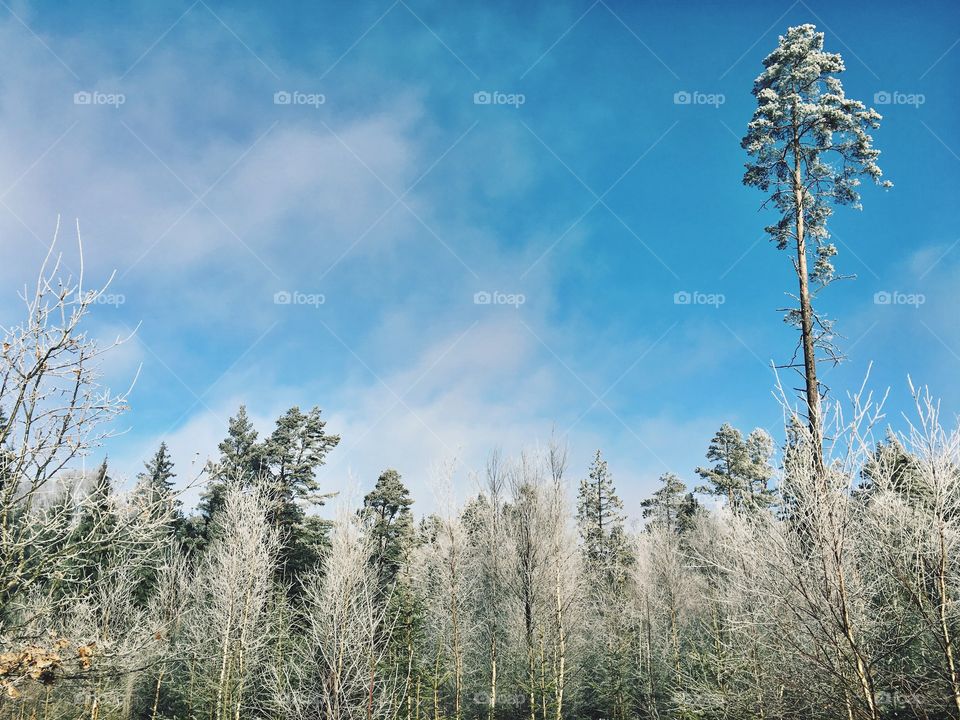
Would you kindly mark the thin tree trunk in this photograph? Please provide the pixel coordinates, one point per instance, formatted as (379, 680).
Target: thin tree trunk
(156, 694)
(863, 673)
(493, 676)
(408, 689)
(436, 685)
(561, 648)
(649, 636)
(225, 650)
(806, 312)
(417, 716)
(944, 624)
(543, 676)
(244, 621)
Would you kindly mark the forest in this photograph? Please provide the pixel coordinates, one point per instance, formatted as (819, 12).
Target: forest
(814, 577)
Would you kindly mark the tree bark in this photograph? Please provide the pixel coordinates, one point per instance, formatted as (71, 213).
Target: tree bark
(814, 419)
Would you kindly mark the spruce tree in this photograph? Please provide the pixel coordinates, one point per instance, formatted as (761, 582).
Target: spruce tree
(155, 483)
(155, 491)
(240, 463)
(891, 468)
(607, 557)
(96, 522)
(600, 519)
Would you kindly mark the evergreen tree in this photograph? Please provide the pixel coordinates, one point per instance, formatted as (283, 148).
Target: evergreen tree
(741, 472)
(607, 556)
(388, 520)
(240, 463)
(892, 468)
(155, 484)
(600, 519)
(809, 146)
(96, 522)
(284, 466)
(386, 511)
(288, 462)
(155, 490)
(671, 507)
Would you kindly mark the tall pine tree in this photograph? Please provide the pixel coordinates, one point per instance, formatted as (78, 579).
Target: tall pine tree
(809, 146)
(288, 461)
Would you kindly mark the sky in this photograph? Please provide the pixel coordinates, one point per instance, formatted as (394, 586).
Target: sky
(309, 204)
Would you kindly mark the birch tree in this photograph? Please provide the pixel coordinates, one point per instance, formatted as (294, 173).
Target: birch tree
(228, 624)
(334, 671)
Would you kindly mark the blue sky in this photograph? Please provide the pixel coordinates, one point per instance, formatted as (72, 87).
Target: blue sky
(584, 186)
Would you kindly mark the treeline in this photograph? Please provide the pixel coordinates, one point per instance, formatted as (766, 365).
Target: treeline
(803, 593)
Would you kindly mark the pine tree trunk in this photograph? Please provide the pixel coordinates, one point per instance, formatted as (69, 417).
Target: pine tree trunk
(814, 418)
